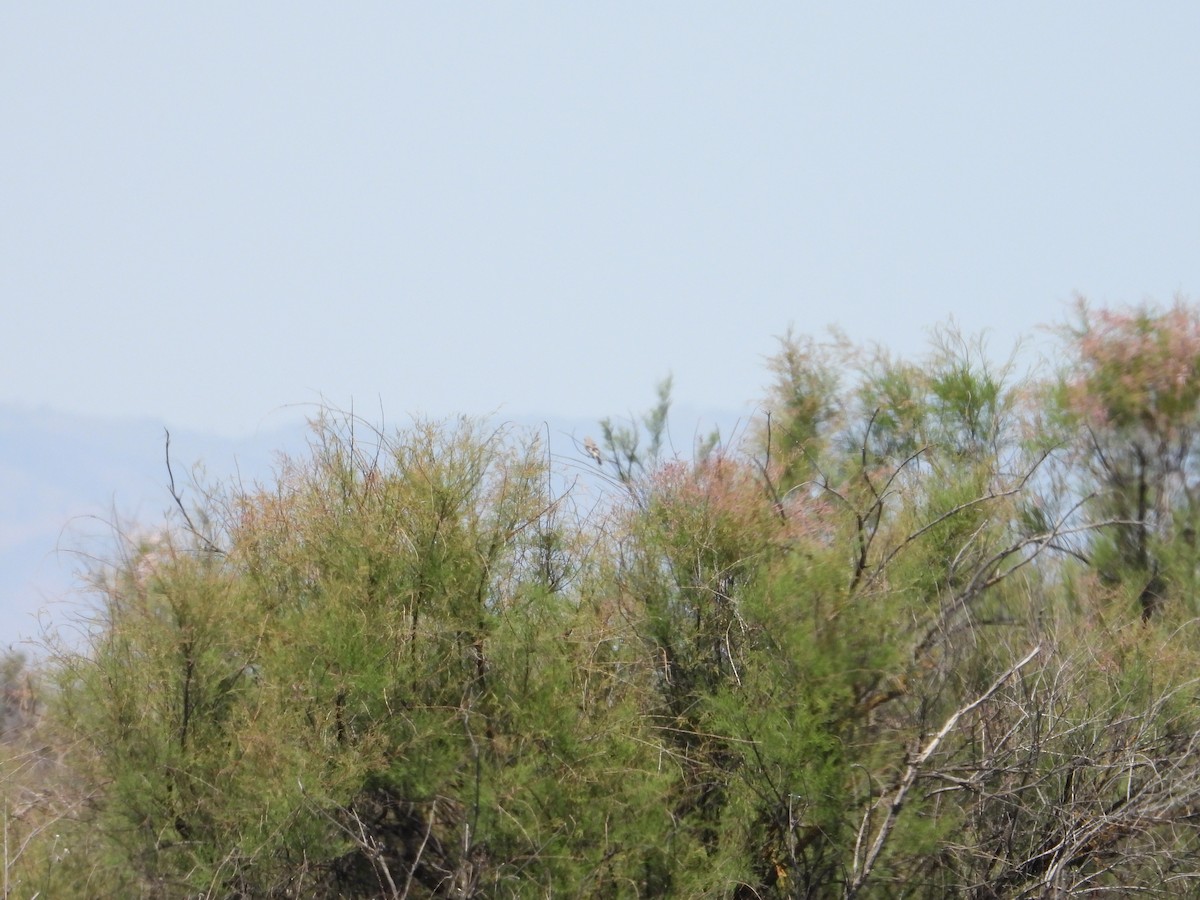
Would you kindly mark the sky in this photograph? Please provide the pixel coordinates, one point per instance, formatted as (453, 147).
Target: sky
(218, 214)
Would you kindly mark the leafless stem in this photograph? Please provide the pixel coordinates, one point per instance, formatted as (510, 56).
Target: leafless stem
(177, 496)
(863, 871)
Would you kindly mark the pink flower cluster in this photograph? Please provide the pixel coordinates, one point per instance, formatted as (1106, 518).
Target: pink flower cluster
(724, 500)
(1136, 369)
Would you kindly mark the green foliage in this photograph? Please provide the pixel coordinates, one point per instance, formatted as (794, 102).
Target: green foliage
(623, 441)
(381, 654)
(884, 649)
(803, 407)
(1132, 394)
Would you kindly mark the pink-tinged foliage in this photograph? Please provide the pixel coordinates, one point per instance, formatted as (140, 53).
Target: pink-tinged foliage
(1135, 369)
(1134, 386)
(722, 505)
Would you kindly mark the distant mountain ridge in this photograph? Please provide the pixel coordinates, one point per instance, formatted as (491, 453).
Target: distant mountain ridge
(67, 480)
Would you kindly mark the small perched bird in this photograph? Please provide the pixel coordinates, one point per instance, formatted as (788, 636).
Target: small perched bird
(593, 451)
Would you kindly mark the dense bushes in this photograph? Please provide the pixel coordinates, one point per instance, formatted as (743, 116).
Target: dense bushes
(928, 632)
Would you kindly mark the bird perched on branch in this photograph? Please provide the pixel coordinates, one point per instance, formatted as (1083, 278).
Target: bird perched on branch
(593, 451)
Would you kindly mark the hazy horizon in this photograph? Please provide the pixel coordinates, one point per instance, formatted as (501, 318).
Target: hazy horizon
(215, 213)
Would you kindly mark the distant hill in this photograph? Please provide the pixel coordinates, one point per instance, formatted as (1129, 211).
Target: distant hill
(66, 481)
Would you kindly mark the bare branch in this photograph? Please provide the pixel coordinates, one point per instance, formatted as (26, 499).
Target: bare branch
(177, 496)
(896, 803)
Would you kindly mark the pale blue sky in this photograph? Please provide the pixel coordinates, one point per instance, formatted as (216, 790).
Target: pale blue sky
(210, 211)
